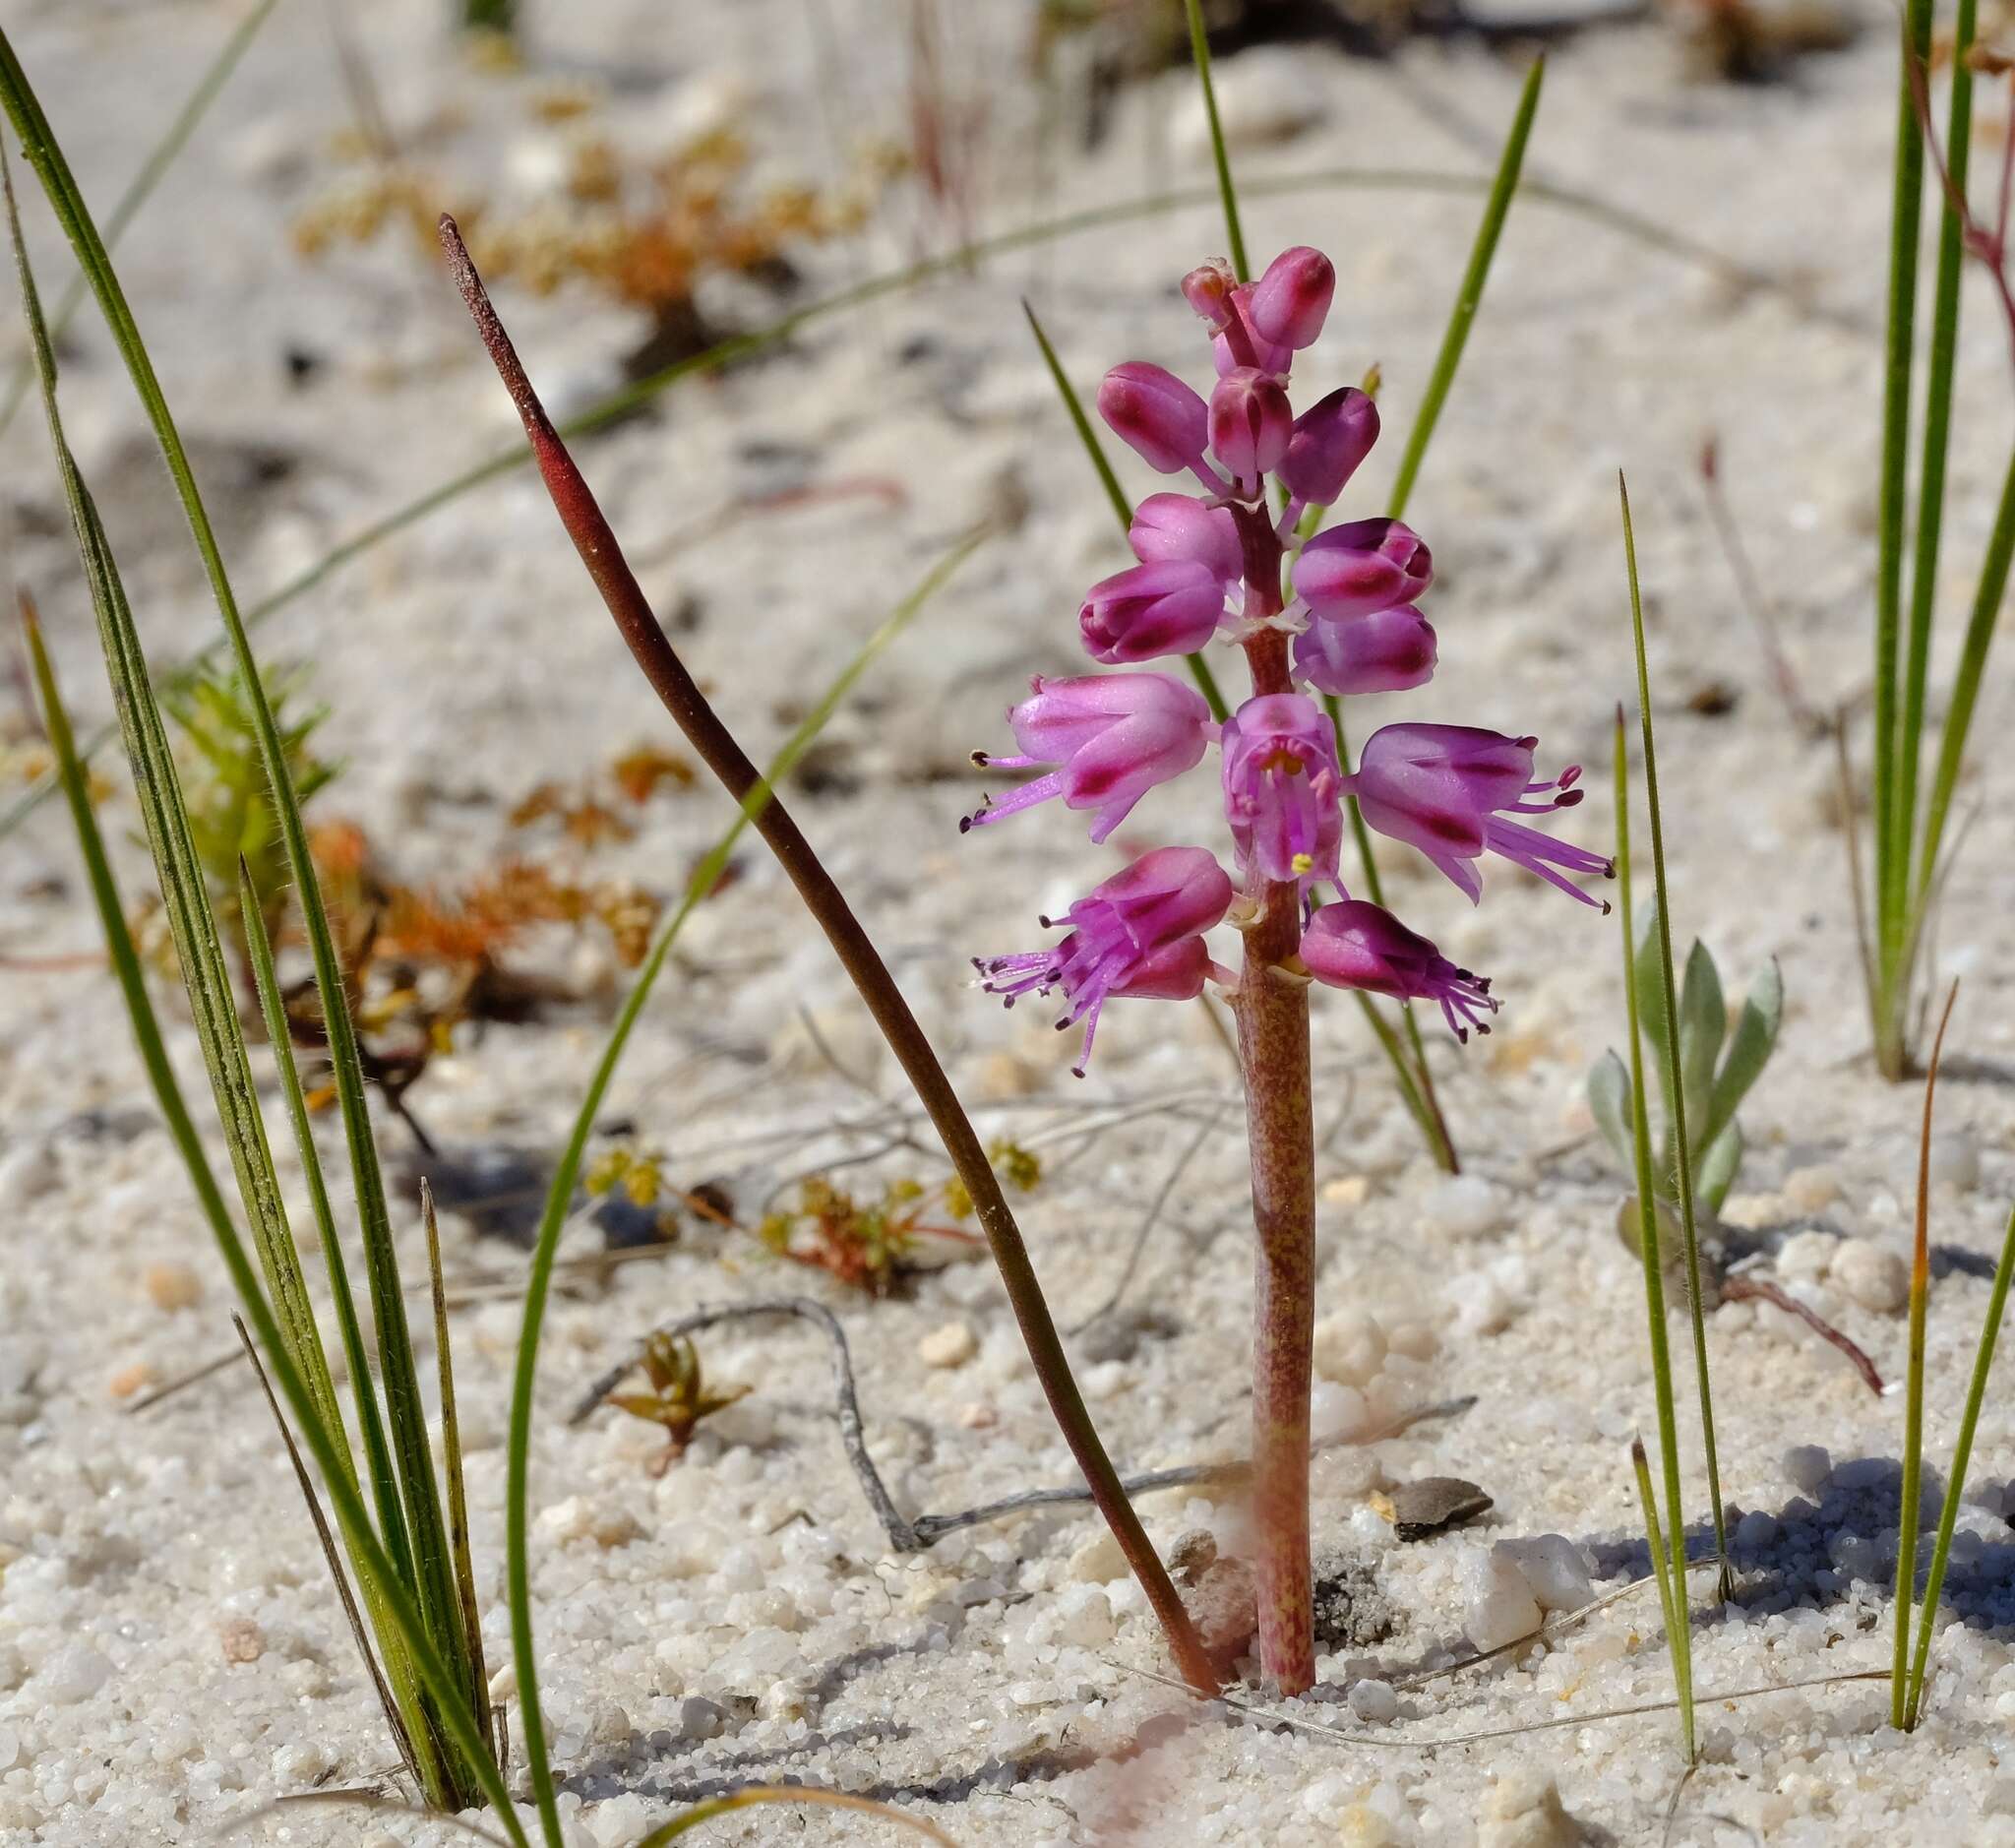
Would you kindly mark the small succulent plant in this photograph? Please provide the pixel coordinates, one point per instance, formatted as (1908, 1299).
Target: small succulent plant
(678, 1399)
(1716, 1069)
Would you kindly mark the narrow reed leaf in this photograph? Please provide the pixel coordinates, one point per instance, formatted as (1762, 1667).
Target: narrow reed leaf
(1955, 1482)
(1679, 1616)
(458, 1496)
(1931, 499)
(378, 1464)
(404, 1409)
(174, 138)
(1200, 52)
(395, 1720)
(789, 1793)
(1973, 660)
(290, 1337)
(1909, 1506)
(1899, 356)
(1634, 227)
(567, 1175)
(1469, 296)
(1200, 668)
(1654, 1538)
(1674, 1073)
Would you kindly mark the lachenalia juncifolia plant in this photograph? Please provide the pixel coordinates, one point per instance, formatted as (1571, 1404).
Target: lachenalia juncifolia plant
(1332, 614)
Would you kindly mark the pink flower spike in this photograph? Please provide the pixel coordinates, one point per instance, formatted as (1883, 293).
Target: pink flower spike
(1282, 790)
(1330, 439)
(1182, 526)
(1155, 414)
(1169, 607)
(1140, 933)
(1250, 423)
(1291, 301)
(1115, 735)
(1389, 652)
(1362, 566)
(1357, 945)
(1444, 790)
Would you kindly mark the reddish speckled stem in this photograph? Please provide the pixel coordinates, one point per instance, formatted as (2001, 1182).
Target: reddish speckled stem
(1272, 1006)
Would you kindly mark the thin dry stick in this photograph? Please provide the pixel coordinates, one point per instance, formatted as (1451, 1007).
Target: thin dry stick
(715, 746)
(392, 1717)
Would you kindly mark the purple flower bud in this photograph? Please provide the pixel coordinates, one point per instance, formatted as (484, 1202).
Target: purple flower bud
(1357, 945)
(1362, 566)
(1169, 607)
(1250, 423)
(1207, 288)
(1115, 735)
(1180, 525)
(1384, 653)
(1291, 301)
(1156, 414)
(1282, 788)
(1140, 933)
(1330, 439)
(1440, 788)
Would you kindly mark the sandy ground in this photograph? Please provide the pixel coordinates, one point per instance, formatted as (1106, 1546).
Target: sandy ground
(742, 1618)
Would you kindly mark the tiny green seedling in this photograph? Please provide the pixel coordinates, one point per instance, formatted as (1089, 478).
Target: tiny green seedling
(1718, 1068)
(678, 1399)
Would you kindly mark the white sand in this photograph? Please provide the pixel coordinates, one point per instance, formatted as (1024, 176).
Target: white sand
(749, 1624)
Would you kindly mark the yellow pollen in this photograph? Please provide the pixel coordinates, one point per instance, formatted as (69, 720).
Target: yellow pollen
(1303, 863)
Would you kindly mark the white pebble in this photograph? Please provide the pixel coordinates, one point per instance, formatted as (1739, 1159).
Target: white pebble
(1806, 1256)
(1479, 1304)
(1097, 1560)
(1350, 1347)
(1954, 1159)
(1335, 1412)
(1553, 1569)
(1465, 1207)
(74, 1674)
(302, 1763)
(1871, 1274)
(1373, 1702)
(1523, 1810)
(1083, 1617)
(951, 1345)
(1500, 1607)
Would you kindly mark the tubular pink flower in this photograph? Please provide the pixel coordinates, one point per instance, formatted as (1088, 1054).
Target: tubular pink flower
(1169, 607)
(1155, 414)
(1440, 788)
(1207, 288)
(1330, 439)
(1115, 736)
(1384, 653)
(1362, 566)
(1282, 788)
(1291, 301)
(1358, 945)
(1250, 423)
(1140, 933)
(1183, 527)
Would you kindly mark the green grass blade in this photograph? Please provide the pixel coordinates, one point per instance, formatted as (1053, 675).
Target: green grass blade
(1931, 499)
(1200, 668)
(405, 1409)
(1633, 227)
(185, 895)
(1899, 356)
(378, 1465)
(292, 1345)
(478, 1691)
(1973, 661)
(216, 74)
(754, 1793)
(1909, 1504)
(1678, 1630)
(1654, 1535)
(1955, 1484)
(1199, 50)
(1469, 297)
(1675, 1076)
(565, 1177)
